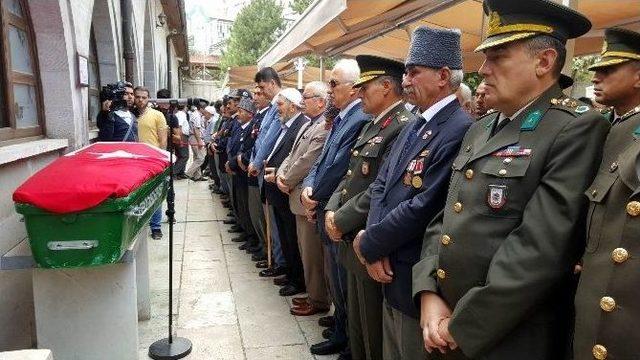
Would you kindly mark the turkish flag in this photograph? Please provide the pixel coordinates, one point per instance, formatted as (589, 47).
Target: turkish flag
(85, 178)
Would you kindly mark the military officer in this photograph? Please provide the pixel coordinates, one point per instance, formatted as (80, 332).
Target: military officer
(607, 309)
(496, 280)
(380, 89)
(409, 189)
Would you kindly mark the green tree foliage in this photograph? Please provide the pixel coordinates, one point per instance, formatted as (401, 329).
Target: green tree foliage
(472, 80)
(299, 6)
(256, 28)
(580, 66)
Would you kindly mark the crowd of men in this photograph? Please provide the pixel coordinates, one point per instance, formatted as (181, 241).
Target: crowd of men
(439, 223)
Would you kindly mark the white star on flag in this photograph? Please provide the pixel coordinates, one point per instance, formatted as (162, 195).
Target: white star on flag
(118, 154)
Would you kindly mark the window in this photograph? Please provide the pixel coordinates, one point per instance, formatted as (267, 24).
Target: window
(20, 93)
(94, 82)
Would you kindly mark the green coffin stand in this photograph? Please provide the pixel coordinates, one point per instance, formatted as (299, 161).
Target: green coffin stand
(96, 236)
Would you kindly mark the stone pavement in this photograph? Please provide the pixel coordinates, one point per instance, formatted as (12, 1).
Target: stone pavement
(220, 303)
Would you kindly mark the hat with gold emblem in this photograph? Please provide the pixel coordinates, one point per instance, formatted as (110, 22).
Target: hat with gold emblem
(372, 67)
(620, 45)
(511, 20)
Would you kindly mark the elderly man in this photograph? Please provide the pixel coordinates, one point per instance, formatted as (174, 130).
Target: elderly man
(465, 98)
(291, 172)
(409, 189)
(607, 298)
(323, 179)
(496, 279)
(479, 104)
(380, 89)
(289, 102)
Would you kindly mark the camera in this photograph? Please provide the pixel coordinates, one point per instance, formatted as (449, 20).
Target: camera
(115, 93)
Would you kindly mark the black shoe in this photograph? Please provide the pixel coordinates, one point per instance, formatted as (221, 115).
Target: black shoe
(239, 239)
(254, 249)
(327, 347)
(235, 231)
(263, 264)
(229, 221)
(290, 290)
(281, 281)
(258, 257)
(271, 272)
(235, 227)
(156, 234)
(243, 246)
(327, 333)
(344, 356)
(230, 214)
(327, 321)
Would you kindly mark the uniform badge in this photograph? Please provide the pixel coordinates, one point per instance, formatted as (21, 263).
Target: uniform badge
(497, 196)
(531, 121)
(386, 123)
(425, 153)
(416, 182)
(427, 134)
(636, 132)
(406, 180)
(582, 109)
(377, 140)
(513, 151)
(365, 168)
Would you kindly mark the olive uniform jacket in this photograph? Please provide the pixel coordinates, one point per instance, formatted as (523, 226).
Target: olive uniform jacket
(351, 199)
(502, 253)
(607, 307)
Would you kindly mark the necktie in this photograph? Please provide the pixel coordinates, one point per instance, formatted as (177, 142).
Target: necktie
(413, 136)
(499, 126)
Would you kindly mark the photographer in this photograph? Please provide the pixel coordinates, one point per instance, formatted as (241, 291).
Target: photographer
(115, 121)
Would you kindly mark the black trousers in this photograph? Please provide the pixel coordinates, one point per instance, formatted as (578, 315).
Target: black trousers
(241, 207)
(286, 222)
(182, 156)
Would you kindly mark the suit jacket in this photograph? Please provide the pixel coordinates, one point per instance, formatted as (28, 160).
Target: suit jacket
(332, 164)
(503, 252)
(402, 206)
(242, 145)
(304, 153)
(248, 152)
(611, 273)
(276, 197)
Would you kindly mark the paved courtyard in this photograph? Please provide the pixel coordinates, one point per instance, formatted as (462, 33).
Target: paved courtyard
(220, 303)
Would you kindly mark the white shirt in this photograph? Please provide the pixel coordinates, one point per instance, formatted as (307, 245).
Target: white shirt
(435, 108)
(183, 122)
(285, 127)
(344, 111)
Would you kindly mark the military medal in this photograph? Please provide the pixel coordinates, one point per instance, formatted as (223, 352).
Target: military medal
(365, 168)
(386, 123)
(412, 165)
(419, 166)
(512, 151)
(427, 134)
(406, 180)
(416, 182)
(497, 196)
(425, 153)
(377, 140)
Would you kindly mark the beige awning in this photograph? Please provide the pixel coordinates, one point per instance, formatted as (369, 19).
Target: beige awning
(242, 76)
(383, 27)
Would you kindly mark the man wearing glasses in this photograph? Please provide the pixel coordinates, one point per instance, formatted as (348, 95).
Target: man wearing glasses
(323, 179)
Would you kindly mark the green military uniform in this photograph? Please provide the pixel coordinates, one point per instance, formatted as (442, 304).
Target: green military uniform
(503, 251)
(607, 309)
(350, 202)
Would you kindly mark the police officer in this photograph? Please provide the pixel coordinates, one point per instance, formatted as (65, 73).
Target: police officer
(496, 277)
(380, 85)
(607, 298)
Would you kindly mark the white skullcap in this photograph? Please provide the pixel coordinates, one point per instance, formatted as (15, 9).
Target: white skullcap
(292, 95)
(210, 109)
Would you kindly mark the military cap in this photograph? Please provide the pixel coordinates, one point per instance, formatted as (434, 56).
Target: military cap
(240, 93)
(372, 67)
(511, 20)
(620, 45)
(247, 105)
(435, 48)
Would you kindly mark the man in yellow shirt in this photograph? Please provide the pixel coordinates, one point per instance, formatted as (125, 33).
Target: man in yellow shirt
(152, 130)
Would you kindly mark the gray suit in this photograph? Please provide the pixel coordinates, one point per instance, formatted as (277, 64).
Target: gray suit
(306, 149)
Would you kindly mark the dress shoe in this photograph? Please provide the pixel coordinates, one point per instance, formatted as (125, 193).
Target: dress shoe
(307, 310)
(327, 333)
(235, 231)
(254, 249)
(271, 272)
(239, 239)
(344, 356)
(300, 301)
(258, 257)
(243, 246)
(281, 281)
(327, 321)
(327, 347)
(290, 290)
(229, 221)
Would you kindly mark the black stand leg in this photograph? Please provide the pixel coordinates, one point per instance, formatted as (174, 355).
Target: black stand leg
(170, 348)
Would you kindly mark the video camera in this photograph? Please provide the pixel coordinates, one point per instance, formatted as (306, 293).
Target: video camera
(114, 93)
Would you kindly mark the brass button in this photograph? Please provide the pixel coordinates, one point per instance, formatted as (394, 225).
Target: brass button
(619, 255)
(468, 148)
(356, 153)
(607, 304)
(349, 172)
(446, 240)
(469, 174)
(613, 167)
(344, 191)
(599, 352)
(633, 208)
(457, 207)
(594, 192)
(502, 172)
(441, 274)
(507, 160)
